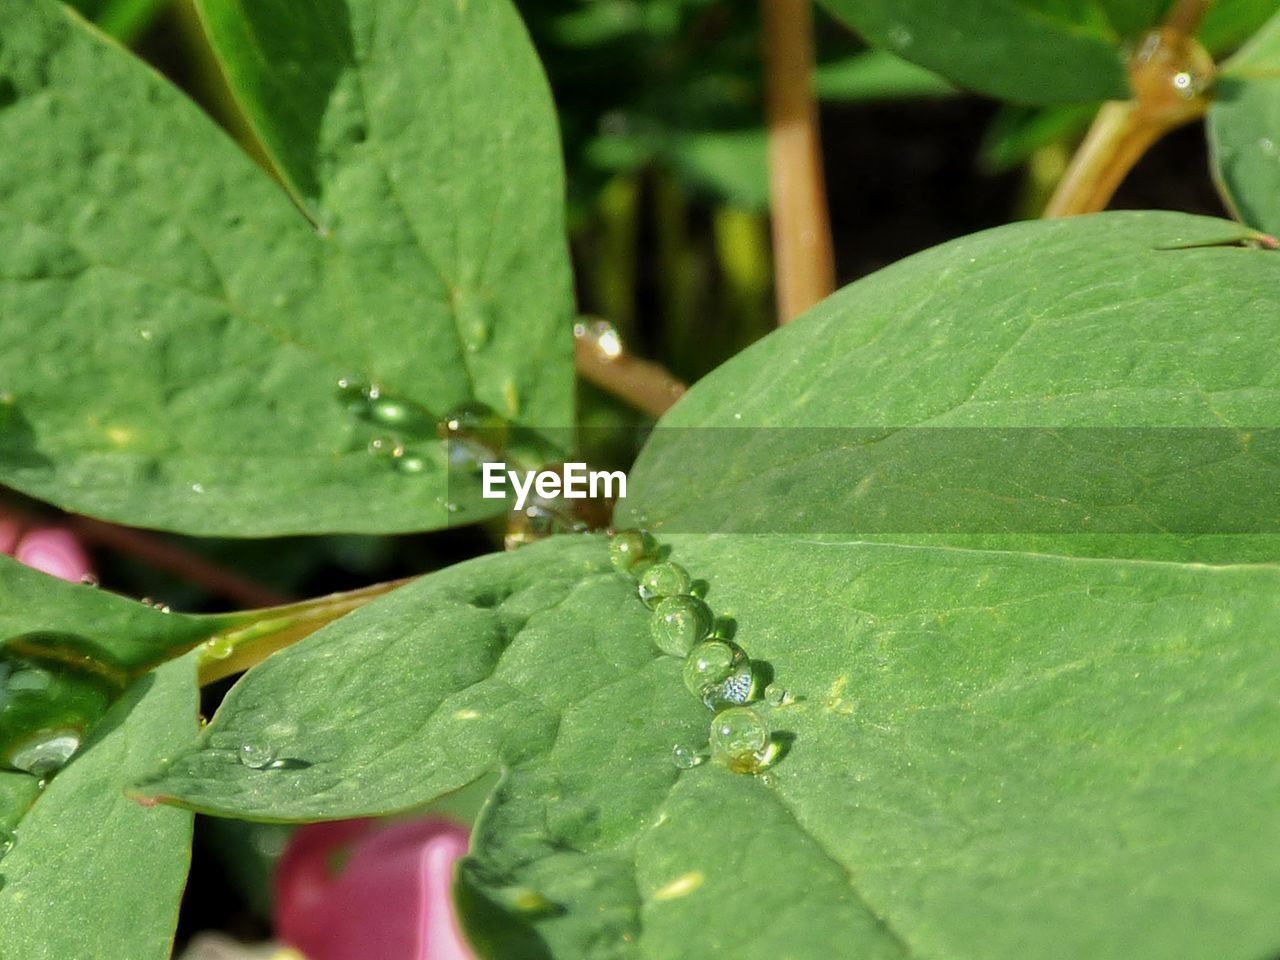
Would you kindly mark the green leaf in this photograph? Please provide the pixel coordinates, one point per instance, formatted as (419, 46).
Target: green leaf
(1041, 380)
(121, 633)
(1026, 51)
(92, 873)
(123, 19)
(989, 754)
(877, 75)
(1017, 132)
(1230, 23)
(730, 164)
(1244, 130)
(174, 328)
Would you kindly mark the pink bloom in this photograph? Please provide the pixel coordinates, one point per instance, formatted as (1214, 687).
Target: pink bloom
(49, 549)
(390, 900)
(53, 551)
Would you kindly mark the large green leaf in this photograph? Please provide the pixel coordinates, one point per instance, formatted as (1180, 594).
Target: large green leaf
(93, 874)
(989, 755)
(1083, 385)
(1244, 130)
(173, 327)
(1027, 51)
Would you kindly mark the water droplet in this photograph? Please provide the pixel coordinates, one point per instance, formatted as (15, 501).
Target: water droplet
(1268, 147)
(685, 757)
(386, 446)
(631, 550)
(1188, 84)
(197, 488)
(776, 696)
(89, 580)
(664, 580)
(219, 647)
(680, 623)
(602, 335)
(740, 740)
(899, 36)
(51, 694)
(256, 755)
(401, 415)
(354, 392)
(736, 690)
(710, 664)
(146, 334)
(7, 839)
(411, 464)
(47, 753)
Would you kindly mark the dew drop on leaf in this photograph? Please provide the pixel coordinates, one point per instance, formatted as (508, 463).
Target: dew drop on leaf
(740, 740)
(679, 624)
(710, 665)
(46, 753)
(51, 694)
(7, 839)
(685, 757)
(631, 550)
(777, 696)
(664, 580)
(386, 446)
(257, 755)
(411, 464)
(219, 647)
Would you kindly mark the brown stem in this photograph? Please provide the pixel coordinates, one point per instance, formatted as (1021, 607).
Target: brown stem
(602, 361)
(171, 558)
(1169, 73)
(804, 263)
(1187, 15)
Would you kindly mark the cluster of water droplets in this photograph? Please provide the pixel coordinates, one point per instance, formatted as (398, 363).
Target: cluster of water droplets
(716, 670)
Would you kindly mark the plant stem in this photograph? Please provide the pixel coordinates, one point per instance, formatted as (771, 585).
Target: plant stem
(259, 633)
(803, 259)
(173, 559)
(1168, 73)
(645, 385)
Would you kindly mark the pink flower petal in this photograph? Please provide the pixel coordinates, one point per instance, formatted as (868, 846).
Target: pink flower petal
(53, 551)
(391, 900)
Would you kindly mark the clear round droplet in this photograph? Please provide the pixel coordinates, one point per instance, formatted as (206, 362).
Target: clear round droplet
(630, 551)
(386, 446)
(709, 664)
(477, 422)
(46, 754)
(736, 690)
(411, 464)
(256, 755)
(7, 839)
(680, 623)
(219, 648)
(402, 415)
(664, 580)
(685, 757)
(740, 740)
(777, 696)
(89, 580)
